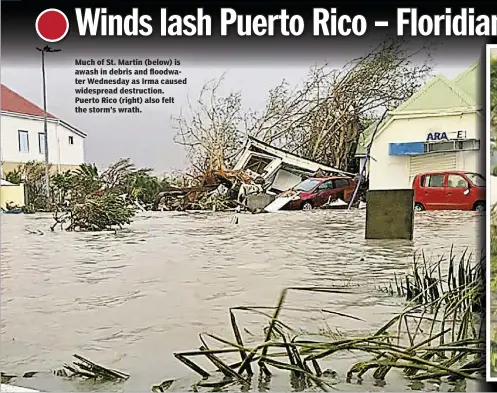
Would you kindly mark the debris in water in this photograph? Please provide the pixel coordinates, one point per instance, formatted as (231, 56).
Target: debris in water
(335, 204)
(329, 373)
(7, 377)
(87, 369)
(163, 386)
(29, 374)
(34, 231)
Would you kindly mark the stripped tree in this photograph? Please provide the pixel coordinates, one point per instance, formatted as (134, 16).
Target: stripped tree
(320, 119)
(323, 117)
(211, 128)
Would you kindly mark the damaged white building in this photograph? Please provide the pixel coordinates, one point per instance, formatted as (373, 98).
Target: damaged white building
(280, 170)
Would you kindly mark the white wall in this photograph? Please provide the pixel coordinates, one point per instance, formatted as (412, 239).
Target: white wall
(285, 180)
(493, 190)
(362, 160)
(59, 150)
(392, 172)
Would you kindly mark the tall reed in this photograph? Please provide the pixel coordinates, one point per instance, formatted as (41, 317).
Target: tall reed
(437, 336)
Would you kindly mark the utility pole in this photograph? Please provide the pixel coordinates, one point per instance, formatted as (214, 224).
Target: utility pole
(47, 162)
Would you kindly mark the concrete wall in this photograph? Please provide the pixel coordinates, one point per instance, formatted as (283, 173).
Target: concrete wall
(259, 201)
(390, 214)
(61, 152)
(12, 194)
(392, 172)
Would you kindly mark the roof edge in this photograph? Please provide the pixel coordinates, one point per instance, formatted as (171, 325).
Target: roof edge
(476, 64)
(256, 142)
(29, 101)
(49, 119)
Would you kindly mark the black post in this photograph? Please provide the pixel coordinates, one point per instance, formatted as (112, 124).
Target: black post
(45, 125)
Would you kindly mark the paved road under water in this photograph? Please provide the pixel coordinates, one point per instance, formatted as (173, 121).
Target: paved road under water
(129, 300)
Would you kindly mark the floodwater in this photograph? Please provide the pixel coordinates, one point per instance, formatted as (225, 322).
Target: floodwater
(130, 300)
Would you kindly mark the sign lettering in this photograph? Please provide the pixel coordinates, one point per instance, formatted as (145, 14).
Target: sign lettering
(445, 136)
(437, 136)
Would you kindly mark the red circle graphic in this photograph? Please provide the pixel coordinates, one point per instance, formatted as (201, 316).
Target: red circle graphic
(52, 25)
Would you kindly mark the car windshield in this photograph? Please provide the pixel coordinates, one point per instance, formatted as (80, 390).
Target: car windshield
(476, 179)
(306, 185)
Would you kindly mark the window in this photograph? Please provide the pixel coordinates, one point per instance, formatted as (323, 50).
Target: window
(71, 140)
(476, 179)
(23, 141)
(433, 180)
(327, 185)
(306, 185)
(41, 142)
(457, 181)
(440, 146)
(468, 144)
(341, 183)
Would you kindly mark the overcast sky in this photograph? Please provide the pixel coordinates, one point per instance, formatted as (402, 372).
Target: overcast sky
(147, 138)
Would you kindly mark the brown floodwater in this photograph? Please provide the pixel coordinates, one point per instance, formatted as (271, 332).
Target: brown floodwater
(130, 300)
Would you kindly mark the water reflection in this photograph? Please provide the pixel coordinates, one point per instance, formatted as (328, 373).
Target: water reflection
(129, 300)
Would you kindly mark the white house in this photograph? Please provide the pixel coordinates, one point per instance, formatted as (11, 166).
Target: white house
(23, 138)
(437, 129)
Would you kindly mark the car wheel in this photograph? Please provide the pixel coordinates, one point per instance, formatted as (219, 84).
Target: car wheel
(307, 206)
(479, 207)
(418, 207)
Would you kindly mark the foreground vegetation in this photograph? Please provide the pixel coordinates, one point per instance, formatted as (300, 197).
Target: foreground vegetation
(438, 336)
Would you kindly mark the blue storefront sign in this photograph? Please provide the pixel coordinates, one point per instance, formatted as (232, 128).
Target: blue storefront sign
(406, 148)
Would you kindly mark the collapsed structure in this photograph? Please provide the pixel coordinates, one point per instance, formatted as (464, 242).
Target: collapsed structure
(260, 169)
(280, 170)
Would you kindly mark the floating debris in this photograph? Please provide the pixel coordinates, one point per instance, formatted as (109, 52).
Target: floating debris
(87, 369)
(34, 231)
(163, 386)
(7, 377)
(29, 374)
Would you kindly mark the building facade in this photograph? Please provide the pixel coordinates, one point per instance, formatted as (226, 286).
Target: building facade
(437, 129)
(23, 136)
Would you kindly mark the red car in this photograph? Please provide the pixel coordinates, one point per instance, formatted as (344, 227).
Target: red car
(315, 192)
(449, 190)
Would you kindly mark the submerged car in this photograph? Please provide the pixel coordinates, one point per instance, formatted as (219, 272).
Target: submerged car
(449, 190)
(315, 192)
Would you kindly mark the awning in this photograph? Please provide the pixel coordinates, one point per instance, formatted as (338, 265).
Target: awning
(406, 148)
